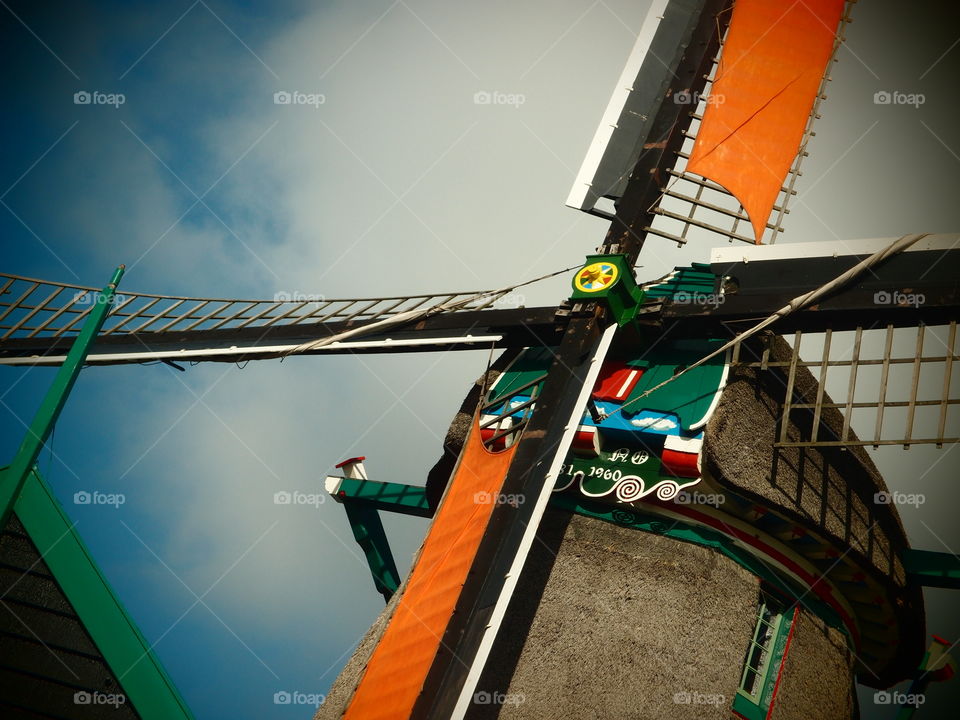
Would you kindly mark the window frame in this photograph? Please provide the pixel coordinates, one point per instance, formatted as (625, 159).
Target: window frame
(774, 623)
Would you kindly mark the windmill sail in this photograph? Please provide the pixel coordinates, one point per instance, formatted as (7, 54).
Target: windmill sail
(765, 87)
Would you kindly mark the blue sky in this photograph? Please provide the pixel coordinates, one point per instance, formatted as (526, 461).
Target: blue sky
(397, 183)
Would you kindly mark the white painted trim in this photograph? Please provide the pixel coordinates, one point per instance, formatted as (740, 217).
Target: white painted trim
(332, 485)
(716, 396)
(621, 393)
(730, 254)
(250, 351)
(513, 575)
(682, 444)
(577, 198)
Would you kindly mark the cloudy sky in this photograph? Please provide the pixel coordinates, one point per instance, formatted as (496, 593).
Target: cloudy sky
(396, 183)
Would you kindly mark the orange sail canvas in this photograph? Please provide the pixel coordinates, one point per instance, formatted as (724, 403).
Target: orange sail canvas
(773, 60)
(398, 667)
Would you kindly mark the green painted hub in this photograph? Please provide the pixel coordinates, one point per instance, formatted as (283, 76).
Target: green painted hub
(609, 278)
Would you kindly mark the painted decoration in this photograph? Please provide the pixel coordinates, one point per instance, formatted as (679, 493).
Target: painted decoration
(642, 450)
(596, 277)
(617, 380)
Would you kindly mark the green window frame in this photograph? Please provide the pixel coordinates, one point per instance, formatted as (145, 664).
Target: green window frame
(763, 659)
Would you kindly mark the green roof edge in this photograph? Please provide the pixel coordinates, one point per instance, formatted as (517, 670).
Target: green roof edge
(130, 657)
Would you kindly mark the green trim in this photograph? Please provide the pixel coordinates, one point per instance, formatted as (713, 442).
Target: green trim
(932, 569)
(395, 497)
(746, 709)
(53, 402)
(144, 681)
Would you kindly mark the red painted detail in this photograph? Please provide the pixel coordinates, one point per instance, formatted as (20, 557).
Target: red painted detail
(798, 532)
(783, 661)
(816, 583)
(350, 461)
(616, 381)
(342, 493)
(680, 464)
(586, 441)
(500, 443)
(944, 673)
(937, 638)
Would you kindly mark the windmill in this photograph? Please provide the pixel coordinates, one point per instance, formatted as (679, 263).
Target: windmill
(637, 381)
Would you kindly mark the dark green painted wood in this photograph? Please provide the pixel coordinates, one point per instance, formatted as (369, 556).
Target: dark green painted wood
(395, 497)
(368, 532)
(932, 569)
(145, 683)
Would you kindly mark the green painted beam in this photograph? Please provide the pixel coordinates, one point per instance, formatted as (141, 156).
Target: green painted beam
(53, 401)
(932, 569)
(145, 683)
(368, 532)
(394, 497)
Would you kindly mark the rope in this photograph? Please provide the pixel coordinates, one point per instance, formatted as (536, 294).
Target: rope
(411, 315)
(898, 245)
